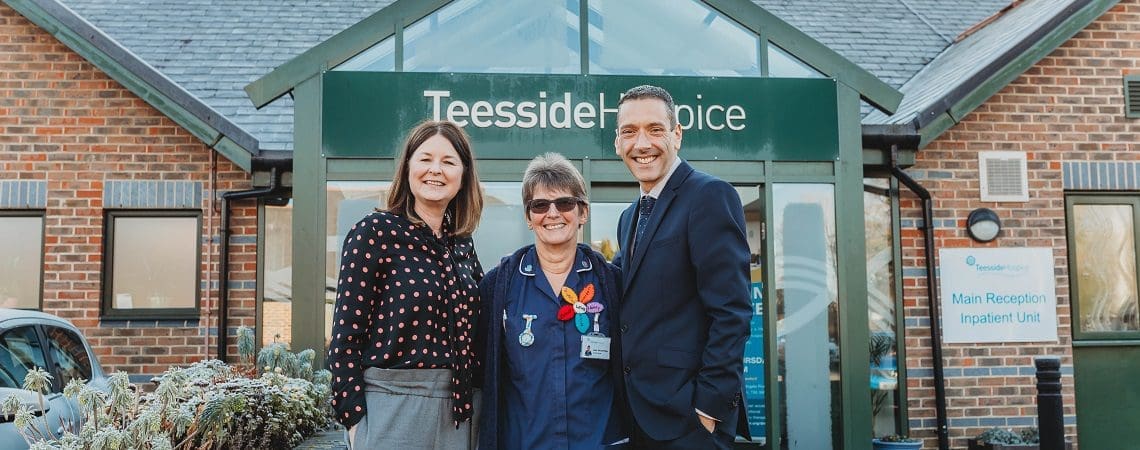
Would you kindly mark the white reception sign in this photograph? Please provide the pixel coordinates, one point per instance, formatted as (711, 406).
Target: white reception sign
(998, 295)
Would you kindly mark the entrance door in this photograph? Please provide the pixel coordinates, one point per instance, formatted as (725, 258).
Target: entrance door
(807, 315)
(1106, 327)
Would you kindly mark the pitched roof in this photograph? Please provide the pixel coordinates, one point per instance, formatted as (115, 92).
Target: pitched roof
(122, 65)
(213, 48)
(892, 39)
(977, 66)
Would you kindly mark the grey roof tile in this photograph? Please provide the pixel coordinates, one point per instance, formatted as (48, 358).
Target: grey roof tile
(213, 48)
(965, 58)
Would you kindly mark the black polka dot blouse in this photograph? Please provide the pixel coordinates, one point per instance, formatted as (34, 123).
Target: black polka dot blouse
(405, 300)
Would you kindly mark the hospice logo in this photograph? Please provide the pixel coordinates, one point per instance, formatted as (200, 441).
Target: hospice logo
(563, 110)
(1004, 269)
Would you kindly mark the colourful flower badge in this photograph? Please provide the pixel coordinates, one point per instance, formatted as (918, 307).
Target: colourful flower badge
(578, 306)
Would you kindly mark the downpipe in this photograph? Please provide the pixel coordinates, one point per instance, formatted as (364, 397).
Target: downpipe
(943, 429)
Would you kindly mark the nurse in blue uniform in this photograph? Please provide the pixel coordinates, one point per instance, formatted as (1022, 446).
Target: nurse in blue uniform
(547, 327)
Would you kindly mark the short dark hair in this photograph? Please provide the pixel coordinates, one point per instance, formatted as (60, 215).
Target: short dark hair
(552, 171)
(650, 91)
(467, 206)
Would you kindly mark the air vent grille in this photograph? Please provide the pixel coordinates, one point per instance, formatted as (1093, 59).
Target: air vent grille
(1004, 176)
(1132, 96)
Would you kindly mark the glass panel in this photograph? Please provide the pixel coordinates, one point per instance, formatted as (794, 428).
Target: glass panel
(881, 309)
(20, 352)
(807, 311)
(1105, 266)
(70, 356)
(277, 294)
(21, 263)
(754, 352)
(603, 223)
(783, 64)
(643, 37)
(378, 58)
(502, 229)
(347, 202)
(532, 36)
(155, 262)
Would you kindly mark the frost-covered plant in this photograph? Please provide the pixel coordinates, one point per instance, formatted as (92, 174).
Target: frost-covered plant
(1007, 437)
(208, 405)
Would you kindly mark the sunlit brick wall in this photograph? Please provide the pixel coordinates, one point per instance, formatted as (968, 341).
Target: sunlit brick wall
(65, 122)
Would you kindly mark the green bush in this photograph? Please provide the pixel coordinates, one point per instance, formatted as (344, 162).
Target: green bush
(208, 405)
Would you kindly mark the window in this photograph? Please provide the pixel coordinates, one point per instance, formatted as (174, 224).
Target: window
(152, 267)
(641, 37)
(347, 202)
(502, 228)
(69, 356)
(21, 262)
(535, 36)
(1102, 264)
(20, 352)
(882, 307)
(277, 263)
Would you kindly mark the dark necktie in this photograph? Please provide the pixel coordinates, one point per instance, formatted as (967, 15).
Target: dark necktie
(644, 208)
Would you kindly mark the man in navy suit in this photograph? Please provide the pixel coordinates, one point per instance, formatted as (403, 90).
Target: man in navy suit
(686, 310)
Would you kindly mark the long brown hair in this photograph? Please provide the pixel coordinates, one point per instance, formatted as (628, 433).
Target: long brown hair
(467, 206)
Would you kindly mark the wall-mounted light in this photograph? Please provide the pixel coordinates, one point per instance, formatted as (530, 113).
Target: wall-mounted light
(983, 224)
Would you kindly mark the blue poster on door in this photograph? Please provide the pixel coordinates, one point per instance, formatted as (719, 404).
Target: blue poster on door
(754, 364)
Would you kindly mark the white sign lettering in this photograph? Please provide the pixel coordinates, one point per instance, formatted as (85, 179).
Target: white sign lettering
(998, 295)
(565, 112)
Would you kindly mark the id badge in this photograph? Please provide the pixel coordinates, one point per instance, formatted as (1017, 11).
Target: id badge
(595, 347)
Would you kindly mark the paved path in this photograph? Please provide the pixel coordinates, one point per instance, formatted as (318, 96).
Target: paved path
(326, 440)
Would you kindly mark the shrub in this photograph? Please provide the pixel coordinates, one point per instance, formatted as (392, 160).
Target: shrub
(898, 438)
(208, 405)
(1008, 437)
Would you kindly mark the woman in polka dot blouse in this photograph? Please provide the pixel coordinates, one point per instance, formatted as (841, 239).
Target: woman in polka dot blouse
(407, 301)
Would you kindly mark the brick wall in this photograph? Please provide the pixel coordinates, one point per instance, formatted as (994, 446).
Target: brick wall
(1066, 109)
(66, 124)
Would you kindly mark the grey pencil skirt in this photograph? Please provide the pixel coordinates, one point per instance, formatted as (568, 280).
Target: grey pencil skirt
(411, 409)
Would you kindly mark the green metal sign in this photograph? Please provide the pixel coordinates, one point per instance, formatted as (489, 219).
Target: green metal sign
(366, 114)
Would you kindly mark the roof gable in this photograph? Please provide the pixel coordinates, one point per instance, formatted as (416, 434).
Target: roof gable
(142, 79)
(384, 23)
(975, 68)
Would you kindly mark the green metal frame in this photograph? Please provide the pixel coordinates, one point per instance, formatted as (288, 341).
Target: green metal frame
(850, 241)
(107, 309)
(1071, 200)
(308, 320)
(1002, 78)
(902, 420)
(213, 138)
(41, 214)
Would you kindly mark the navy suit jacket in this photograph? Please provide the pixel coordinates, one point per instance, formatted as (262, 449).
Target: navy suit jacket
(686, 312)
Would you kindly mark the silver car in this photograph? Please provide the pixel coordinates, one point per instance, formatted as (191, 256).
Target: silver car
(31, 339)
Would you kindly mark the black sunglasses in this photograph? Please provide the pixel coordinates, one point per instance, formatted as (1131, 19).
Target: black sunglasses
(564, 204)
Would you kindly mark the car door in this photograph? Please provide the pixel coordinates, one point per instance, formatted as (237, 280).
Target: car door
(22, 349)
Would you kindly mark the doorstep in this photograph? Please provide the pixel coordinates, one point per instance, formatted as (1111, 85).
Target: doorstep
(325, 440)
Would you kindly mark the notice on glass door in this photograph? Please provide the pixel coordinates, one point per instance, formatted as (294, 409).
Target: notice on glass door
(998, 295)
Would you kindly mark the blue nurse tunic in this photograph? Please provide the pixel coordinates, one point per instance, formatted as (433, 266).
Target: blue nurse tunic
(553, 398)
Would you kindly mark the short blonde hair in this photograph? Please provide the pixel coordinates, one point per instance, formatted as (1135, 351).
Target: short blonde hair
(552, 171)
